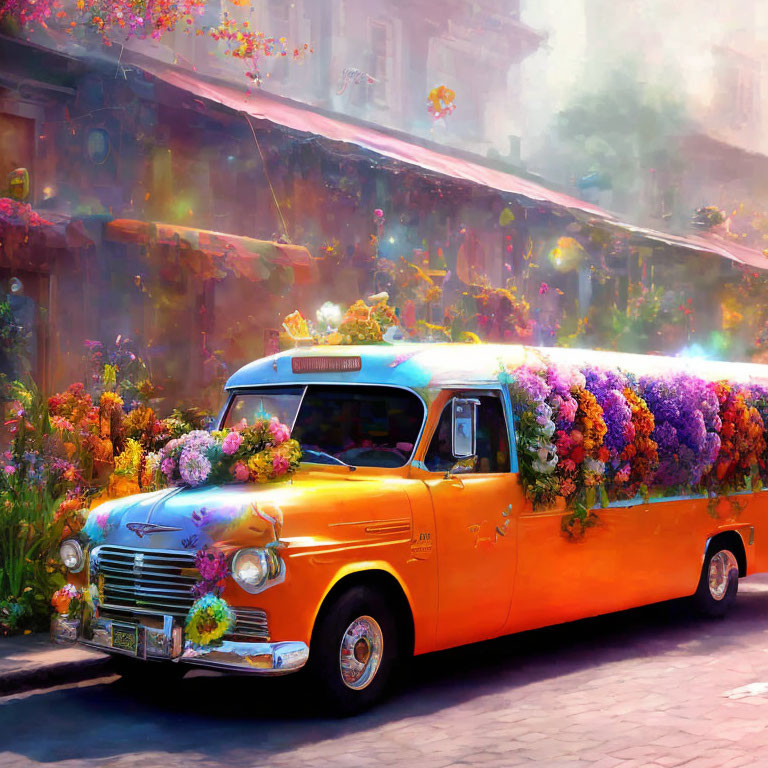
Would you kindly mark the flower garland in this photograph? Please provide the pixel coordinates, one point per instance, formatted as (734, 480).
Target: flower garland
(581, 467)
(590, 432)
(210, 617)
(685, 411)
(641, 453)
(213, 568)
(742, 437)
(534, 427)
(608, 388)
(260, 453)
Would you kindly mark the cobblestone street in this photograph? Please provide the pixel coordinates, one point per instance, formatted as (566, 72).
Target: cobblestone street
(650, 687)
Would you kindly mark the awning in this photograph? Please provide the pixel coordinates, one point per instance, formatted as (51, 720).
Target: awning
(27, 236)
(303, 118)
(298, 117)
(707, 242)
(242, 256)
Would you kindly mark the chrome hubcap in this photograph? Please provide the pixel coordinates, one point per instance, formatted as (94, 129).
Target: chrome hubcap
(360, 652)
(720, 567)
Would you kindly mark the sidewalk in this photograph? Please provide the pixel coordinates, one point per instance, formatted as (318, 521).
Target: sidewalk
(31, 661)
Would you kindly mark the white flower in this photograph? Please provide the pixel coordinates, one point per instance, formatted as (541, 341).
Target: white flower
(329, 315)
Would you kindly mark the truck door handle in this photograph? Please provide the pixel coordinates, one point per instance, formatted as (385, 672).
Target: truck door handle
(453, 479)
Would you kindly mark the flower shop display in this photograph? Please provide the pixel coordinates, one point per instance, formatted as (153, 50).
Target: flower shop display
(708, 217)
(68, 454)
(13, 344)
(120, 20)
(67, 599)
(497, 314)
(36, 476)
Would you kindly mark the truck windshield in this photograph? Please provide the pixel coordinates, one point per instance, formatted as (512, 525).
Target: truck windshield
(360, 426)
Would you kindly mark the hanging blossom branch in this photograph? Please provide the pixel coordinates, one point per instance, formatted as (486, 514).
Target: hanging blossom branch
(125, 19)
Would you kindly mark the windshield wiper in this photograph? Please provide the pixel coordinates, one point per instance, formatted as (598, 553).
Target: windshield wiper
(308, 453)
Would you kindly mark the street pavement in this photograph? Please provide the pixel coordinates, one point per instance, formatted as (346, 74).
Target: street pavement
(31, 661)
(651, 687)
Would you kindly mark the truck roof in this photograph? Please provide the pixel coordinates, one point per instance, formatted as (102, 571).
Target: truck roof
(428, 365)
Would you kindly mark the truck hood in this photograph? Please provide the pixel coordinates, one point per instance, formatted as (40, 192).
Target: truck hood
(313, 507)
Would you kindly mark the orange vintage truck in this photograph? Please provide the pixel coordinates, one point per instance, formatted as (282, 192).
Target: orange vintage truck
(408, 527)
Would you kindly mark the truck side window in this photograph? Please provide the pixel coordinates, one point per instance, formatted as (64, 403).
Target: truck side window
(492, 439)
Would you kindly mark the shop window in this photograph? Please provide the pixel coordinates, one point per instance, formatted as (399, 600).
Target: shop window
(280, 21)
(16, 146)
(379, 41)
(492, 439)
(739, 87)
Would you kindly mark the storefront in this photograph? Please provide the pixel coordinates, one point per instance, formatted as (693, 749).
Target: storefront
(189, 218)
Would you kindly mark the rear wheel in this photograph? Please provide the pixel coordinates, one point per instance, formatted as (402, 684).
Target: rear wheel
(718, 584)
(354, 651)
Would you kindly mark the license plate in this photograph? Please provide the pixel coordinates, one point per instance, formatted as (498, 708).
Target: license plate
(125, 637)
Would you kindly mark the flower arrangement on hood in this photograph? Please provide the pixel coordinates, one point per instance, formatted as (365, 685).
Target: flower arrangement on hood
(259, 453)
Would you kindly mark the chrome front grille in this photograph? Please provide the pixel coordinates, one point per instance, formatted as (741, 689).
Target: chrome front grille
(146, 580)
(251, 624)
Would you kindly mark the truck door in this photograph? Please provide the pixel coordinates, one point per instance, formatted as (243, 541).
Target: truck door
(475, 527)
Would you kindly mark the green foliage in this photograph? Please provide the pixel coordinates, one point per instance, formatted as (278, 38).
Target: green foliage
(13, 344)
(30, 490)
(621, 131)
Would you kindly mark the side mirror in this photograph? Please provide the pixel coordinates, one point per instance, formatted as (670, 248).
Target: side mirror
(464, 426)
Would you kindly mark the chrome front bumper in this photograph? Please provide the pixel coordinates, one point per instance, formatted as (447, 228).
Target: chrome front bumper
(161, 638)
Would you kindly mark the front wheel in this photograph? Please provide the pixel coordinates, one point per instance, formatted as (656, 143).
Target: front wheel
(354, 650)
(718, 584)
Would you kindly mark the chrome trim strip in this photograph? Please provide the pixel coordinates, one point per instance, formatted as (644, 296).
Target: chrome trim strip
(162, 585)
(164, 498)
(256, 658)
(149, 550)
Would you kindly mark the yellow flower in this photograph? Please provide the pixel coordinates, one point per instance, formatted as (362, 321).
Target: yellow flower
(129, 461)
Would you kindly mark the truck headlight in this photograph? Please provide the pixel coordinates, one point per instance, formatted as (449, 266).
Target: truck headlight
(251, 569)
(71, 554)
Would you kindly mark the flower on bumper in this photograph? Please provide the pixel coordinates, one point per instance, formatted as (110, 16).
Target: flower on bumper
(208, 620)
